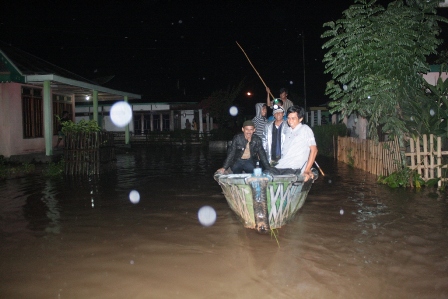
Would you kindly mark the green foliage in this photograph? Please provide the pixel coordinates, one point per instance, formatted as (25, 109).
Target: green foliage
(13, 170)
(442, 58)
(324, 137)
(55, 169)
(405, 177)
(376, 57)
(81, 126)
(433, 115)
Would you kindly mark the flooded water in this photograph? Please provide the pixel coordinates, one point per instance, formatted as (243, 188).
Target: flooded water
(84, 238)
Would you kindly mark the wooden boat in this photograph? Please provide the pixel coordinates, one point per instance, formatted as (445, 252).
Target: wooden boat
(265, 202)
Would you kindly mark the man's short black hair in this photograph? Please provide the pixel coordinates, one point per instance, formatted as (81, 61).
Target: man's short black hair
(282, 90)
(299, 110)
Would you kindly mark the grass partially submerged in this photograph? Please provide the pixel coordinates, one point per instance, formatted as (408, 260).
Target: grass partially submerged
(10, 170)
(55, 169)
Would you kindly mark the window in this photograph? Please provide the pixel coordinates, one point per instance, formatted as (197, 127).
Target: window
(32, 109)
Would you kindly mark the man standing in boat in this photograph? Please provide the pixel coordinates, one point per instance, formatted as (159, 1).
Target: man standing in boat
(274, 136)
(299, 149)
(286, 103)
(244, 151)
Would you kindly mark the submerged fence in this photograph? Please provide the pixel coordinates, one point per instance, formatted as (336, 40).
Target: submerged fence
(88, 152)
(379, 158)
(426, 156)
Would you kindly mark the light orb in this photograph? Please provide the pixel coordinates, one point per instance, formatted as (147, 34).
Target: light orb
(207, 216)
(134, 196)
(233, 111)
(121, 113)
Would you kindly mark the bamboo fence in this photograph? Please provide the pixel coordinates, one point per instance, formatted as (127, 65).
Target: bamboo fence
(426, 156)
(379, 158)
(88, 152)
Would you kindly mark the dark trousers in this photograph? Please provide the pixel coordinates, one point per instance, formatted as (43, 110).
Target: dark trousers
(282, 171)
(246, 165)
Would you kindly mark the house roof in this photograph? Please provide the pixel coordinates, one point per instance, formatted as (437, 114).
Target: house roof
(22, 67)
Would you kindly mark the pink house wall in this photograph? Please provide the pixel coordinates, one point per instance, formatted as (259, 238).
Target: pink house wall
(11, 127)
(432, 77)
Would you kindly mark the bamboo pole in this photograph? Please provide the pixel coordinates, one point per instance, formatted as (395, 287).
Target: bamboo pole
(254, 69)
(439, 161)
(417, 152)
(425, 155)
(412, 150)
(431, 156)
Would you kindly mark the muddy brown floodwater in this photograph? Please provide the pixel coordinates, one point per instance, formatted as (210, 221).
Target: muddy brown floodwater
(84, 238)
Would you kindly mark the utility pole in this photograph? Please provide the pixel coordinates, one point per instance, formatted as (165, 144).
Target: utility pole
(304, 81)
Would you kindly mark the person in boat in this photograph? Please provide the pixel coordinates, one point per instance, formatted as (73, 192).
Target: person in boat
(274, 136)
(277, 104)
(246, 148)
(299, 149)
(286, 103)
(260, 119)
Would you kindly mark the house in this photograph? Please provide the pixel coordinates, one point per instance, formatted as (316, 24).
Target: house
(32, 93)
(148, 116)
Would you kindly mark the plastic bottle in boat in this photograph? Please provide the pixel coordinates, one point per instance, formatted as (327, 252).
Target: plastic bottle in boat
(257, 169)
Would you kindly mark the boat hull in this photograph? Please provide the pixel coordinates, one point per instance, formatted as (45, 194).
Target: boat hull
(264, 202)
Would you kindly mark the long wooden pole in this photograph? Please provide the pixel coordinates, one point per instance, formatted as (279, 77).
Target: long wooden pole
(255, 69)
(323, 174)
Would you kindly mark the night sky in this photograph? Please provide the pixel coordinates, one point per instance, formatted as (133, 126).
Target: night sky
(179, 50)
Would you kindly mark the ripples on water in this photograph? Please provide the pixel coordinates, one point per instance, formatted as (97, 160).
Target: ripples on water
(84, 238)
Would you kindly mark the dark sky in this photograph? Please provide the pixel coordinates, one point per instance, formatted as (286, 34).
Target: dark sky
(179, 50)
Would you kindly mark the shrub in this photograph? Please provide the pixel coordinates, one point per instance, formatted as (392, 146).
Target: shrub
(324, 137)
(405, 177)
(55, 169)
(81, 126)
(10, 170)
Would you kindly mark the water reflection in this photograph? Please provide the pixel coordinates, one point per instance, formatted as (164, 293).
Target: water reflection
(42, 210)
(84, 238)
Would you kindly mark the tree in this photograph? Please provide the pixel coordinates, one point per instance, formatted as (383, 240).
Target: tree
(377, 56)
(219, 102)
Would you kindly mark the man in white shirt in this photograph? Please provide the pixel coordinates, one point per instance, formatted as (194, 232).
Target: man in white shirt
(299, 149)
